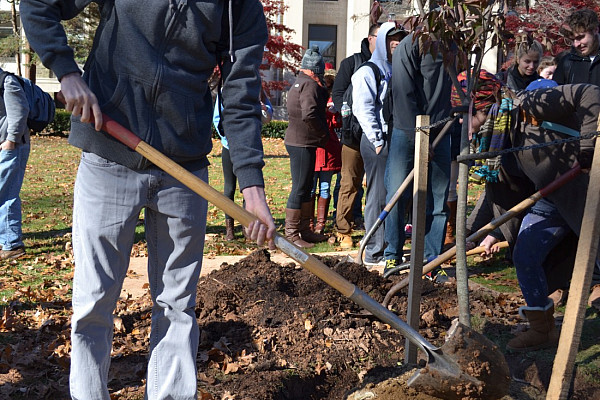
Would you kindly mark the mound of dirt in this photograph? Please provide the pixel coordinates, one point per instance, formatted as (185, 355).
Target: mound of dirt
(274, 332)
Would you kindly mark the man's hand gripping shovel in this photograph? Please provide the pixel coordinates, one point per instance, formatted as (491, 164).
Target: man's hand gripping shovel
(468, 364)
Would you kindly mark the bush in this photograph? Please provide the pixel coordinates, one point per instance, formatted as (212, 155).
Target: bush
(274, 129)
(61, 126)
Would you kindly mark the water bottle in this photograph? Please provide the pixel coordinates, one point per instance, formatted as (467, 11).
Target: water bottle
(346, 111)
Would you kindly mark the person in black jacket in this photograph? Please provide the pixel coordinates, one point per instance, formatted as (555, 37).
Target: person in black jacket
(352, 163)
(582, 65)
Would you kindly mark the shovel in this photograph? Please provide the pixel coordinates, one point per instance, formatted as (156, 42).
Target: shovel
(468, 364)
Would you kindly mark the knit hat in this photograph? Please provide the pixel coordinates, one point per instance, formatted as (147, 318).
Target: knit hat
(541, 84)
(485, 94)
(313, 60)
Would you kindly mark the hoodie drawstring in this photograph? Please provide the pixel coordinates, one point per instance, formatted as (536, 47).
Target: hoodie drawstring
(231, 29)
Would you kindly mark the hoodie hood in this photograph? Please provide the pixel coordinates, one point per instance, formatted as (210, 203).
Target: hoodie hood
(379, 56)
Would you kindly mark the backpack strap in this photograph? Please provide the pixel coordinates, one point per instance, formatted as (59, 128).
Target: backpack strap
(376, 71)
(358, 61)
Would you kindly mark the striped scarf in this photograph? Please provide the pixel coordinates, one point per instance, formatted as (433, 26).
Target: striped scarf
(492, 137)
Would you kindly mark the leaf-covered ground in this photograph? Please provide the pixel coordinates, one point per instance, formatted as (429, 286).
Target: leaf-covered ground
(271, 331)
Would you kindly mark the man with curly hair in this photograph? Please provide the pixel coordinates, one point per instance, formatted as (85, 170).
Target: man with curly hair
(582, 64)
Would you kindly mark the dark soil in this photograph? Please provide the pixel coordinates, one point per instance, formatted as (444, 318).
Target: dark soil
(271, 331)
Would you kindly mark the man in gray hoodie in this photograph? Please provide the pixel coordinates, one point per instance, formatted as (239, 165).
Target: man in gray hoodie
(367, 106)
(14, 153)
(148, 70)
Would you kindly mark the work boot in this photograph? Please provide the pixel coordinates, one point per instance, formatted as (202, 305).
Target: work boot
(594, 299)
(292, 228)
(229, 235)
(12, 254)
(451, 227)
(306, 213)
(345, 240)
(542, 332)
(322, 209)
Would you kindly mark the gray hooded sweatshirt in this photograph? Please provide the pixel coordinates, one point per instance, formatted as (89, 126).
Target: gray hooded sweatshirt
(149, 68)
(368, 95)
(14, 110)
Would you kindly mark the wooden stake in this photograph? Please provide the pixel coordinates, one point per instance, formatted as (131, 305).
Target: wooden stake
(418, 234)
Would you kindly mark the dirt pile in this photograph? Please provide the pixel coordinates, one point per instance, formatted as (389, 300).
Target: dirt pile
(271, 332)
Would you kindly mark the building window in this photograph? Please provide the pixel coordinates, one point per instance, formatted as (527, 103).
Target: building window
(324, 36)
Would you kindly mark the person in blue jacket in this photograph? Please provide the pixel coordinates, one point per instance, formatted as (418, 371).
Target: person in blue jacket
(229, 178)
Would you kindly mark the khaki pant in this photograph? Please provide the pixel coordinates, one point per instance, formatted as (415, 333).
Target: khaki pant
(352, 174)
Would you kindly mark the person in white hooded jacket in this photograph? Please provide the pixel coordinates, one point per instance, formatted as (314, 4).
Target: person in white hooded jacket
(367, 106)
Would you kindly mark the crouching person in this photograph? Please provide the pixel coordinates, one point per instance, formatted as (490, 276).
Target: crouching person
(569, 109)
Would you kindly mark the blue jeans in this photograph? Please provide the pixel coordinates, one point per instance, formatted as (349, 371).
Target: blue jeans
(541, 231)
(322, 179)
(12, 171)
(400, 162)
(108, 200)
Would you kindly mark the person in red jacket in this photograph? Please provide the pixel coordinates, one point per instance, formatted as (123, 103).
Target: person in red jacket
(328, 159)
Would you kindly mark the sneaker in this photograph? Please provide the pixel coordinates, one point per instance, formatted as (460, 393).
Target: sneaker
(437, 275)
(389, 266)
(12, 254)
(559, 297)
(370, 265)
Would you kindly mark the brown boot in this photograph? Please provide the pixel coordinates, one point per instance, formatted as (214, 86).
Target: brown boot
(451, 227)
(229, 235)
(292, 228)
(542, 332)
(305, 216)
(322, 209)
(311, 225)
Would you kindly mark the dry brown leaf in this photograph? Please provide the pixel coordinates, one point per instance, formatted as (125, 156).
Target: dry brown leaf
(308, 325)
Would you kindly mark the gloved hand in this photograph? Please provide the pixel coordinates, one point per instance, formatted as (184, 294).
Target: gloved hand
(585, 158)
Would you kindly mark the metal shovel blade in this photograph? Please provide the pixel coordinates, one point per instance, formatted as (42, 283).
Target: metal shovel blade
(468, 365)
